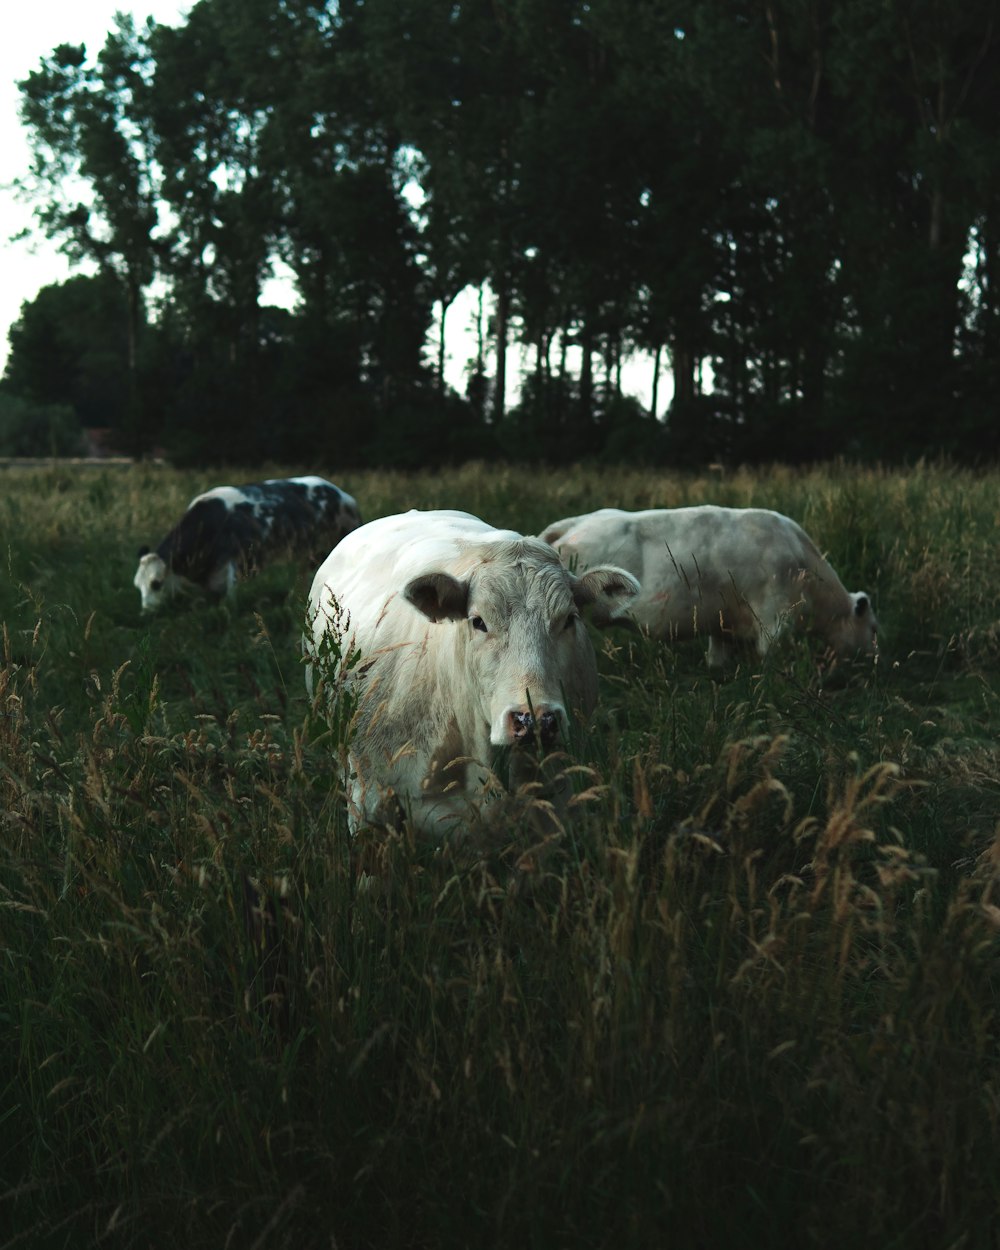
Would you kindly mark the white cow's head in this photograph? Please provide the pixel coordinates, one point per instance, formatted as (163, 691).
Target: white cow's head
(525, 655)
(152, 580)
(858, 631)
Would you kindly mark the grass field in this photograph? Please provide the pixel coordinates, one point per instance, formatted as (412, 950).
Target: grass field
(750, 999)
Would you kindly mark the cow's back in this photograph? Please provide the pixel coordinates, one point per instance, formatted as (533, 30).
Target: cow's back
(365, 571)
(714, 546)
(299, 512)
(668, 544)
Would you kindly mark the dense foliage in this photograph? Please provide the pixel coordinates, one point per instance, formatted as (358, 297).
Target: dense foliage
(750, 998)
(794, 204)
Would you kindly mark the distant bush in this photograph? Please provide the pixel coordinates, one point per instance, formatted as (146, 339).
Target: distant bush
(28, 429)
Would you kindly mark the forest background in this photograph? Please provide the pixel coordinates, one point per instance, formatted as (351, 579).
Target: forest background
(791, 205)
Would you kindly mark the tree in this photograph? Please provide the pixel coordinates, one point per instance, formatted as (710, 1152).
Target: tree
(29, 429)
(804, 196)
(93, 176)
(70, 347)
(917, 135)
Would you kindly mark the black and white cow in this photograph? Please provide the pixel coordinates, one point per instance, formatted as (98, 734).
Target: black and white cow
(232, 530)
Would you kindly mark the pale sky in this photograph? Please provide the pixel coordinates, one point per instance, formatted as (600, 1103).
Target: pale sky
(30, 264)
(29, 33)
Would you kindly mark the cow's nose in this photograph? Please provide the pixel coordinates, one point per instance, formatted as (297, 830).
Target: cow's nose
(548, 728)
(524, 725)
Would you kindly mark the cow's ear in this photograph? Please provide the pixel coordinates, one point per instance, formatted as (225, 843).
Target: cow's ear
(439, 596)
(607, 591)
(143, 551)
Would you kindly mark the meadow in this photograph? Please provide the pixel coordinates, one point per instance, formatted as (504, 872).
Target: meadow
(749, 998)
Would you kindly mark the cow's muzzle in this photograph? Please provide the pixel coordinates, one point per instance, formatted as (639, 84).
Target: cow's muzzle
(526, 726)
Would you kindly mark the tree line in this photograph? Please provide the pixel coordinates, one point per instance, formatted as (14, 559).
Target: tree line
(792, 204)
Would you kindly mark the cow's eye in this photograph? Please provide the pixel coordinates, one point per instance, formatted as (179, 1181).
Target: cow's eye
(480, 624)
(571, 620)
(156, 583)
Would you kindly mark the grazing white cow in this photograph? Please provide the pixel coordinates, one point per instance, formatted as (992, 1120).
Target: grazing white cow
(465, 639)
(232, 530)
(735, 575)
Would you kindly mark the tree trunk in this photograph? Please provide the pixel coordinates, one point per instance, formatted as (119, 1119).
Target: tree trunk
(654, 403)
(480, 337)
(682, 363)
(445, 305)
(586, 373)
(503, 309)
(134, 296)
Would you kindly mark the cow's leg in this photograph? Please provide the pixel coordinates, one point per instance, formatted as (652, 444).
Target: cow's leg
(720, 652)
(222, 579)
(470, 821)
(769, 626)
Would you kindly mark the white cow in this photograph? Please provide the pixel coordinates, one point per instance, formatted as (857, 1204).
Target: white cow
(232, 530)
(735, 575)
(465, 639)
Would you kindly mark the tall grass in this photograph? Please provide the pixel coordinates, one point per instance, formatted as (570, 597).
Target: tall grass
(750, 998)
